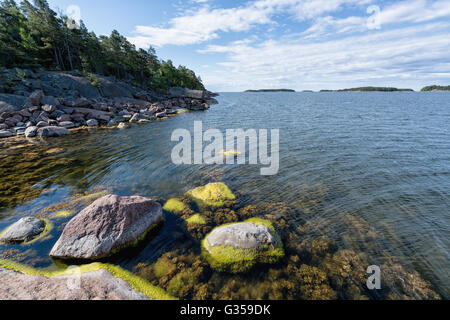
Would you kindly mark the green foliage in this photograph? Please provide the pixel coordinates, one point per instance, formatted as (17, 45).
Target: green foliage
(20, 73)
(95, 81)
(33, 35)
(370, 89)
(436, 88)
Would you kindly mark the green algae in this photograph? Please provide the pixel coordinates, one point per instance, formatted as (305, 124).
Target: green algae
(181, 280)
(48, 228)
(174, 206)
(235, 260)
(137, 283)
(63, 214)
(213, 195)
(197, 219)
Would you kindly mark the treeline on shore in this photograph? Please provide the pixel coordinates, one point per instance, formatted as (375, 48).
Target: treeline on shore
(436, 88)
(34, 36)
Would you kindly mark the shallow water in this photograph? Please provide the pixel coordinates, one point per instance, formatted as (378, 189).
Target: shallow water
(367, 172)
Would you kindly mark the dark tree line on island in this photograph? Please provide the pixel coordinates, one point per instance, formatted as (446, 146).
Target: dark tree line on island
(32, 36)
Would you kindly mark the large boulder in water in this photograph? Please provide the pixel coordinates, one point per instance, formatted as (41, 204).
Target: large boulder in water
(238, 247)
(24, 230)
(106, 226)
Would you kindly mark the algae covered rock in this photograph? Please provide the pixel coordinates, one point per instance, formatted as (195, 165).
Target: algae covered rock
(174, 206)
(97, 285)
(106, 226)
(238, 247)
(212, 195)
(24, 230)
(196, 219)
(95, 281)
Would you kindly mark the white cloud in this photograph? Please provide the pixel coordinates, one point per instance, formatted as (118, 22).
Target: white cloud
(411, 11)
(206, 23)
(410, 54)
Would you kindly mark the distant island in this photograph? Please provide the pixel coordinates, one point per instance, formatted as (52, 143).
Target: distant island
(436, 88)
(271, 90)
(370, 89)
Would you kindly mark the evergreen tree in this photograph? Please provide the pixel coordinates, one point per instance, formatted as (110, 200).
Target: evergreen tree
(33, 35)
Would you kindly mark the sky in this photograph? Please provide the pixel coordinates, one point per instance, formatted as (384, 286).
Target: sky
(295, 44)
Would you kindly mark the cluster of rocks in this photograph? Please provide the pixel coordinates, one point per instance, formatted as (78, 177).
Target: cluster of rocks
(50, 103)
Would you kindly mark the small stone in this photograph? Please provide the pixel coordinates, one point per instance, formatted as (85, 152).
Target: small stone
(92, 123)
(35, 97)
(48, 108)
(66, 124)
(41, 124)
(135, 118)
(5, 134)
(31, 132)
(52, 131)
(23, 230)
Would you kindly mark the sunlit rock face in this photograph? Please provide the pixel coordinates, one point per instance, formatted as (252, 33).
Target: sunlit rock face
(107, 225)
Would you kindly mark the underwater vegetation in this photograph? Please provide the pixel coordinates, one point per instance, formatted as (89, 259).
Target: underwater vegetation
(236, 260)
(324, 257)
(212, 195)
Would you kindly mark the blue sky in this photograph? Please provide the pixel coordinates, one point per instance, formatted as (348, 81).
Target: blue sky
(298, 44)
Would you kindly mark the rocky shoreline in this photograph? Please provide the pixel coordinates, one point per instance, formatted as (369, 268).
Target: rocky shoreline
(49, 104)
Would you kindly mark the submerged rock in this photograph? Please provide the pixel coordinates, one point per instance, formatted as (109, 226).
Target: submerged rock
(238, 247)
(212, 195)
(106, 226)
(24, 230)
(174, 206)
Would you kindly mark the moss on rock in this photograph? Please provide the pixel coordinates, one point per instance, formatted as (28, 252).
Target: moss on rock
(137, 283)
(237, 260)
(197, 219)
(63, 214)
(213, 195)
(174, 206)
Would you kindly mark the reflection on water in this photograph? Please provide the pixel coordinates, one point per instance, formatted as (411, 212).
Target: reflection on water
(364, 180)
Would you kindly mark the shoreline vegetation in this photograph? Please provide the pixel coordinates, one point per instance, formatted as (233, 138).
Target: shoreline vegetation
(433, 88)
(56, 76)
(271, 90)
(436, 88)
